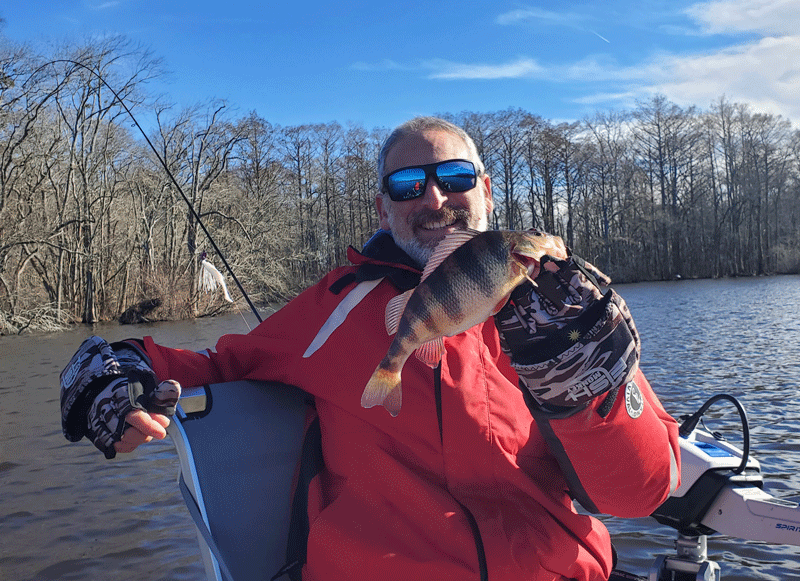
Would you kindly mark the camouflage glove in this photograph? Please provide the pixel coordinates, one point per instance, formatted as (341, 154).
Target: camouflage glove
(101, 384)
(567, 340)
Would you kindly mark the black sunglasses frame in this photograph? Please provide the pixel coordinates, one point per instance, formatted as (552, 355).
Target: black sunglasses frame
(430, 172)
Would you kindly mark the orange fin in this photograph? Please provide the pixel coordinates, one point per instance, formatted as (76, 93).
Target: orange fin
(430, 352)
(383, 388)
(393, 401)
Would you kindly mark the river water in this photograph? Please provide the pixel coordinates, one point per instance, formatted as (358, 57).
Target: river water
(66, 513)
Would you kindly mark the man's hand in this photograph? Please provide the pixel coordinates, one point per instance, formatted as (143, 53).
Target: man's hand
(110, 395)
(567, 340)
(110, 412)
(142, 428)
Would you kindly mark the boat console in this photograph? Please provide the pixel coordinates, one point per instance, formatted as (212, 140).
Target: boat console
(721, 492)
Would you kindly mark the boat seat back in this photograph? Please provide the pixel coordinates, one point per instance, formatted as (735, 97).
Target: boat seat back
(239, 444)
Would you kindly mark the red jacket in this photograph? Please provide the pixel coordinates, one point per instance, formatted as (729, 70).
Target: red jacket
(418, 496)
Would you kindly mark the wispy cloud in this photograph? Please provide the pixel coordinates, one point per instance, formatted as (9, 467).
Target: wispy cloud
(570, 20)
(624, 98)
(523, 15)
(599, 69)
(519, 68)
(442, 69)
(383, 65)
(763, 72)
(106, 5)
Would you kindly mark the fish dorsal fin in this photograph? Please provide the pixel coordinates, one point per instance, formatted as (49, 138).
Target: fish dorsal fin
(446, 247)
(430, 352)
(394, 310)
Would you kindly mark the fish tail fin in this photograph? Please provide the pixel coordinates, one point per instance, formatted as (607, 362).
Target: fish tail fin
(384, 389)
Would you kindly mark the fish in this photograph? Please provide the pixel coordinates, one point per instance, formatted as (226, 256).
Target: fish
(468, 278)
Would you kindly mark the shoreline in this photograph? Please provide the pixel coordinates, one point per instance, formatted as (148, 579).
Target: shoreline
(49, 325)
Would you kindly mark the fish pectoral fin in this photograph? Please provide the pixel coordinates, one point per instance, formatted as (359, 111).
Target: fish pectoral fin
(394, 311)
(431, 352)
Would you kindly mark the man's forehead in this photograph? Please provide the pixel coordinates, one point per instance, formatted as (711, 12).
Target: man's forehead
(425, 147)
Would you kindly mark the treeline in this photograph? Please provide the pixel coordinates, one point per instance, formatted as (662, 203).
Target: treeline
(92, 226)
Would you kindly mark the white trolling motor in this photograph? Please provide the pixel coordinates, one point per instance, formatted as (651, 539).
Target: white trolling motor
(720, 492)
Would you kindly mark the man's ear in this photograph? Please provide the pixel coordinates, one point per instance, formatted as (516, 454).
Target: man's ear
(487, 181)
(383, 212)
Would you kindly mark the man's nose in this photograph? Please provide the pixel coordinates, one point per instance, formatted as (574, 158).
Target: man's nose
(434, 197)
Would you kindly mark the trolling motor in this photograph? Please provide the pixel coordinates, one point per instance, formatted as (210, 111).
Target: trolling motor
(722, 492)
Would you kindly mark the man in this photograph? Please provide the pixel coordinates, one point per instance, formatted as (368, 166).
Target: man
(475, 477)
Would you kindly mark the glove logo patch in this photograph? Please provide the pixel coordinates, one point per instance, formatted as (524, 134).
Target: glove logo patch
(71, 372)
(588, 385)
(634, 402)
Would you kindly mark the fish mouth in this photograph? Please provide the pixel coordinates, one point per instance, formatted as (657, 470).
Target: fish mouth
(526, 260)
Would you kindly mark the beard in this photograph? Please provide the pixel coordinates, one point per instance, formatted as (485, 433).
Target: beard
(421, 249)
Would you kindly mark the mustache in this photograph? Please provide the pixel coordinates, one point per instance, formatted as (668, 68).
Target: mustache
(446, 214)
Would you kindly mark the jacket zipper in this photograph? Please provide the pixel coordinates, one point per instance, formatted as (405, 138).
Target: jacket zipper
(473, 524)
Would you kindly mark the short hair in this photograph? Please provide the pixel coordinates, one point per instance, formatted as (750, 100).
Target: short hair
(418, 125)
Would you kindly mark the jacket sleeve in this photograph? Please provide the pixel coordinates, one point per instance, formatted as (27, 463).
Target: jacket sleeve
(620, 455)
(270, 352)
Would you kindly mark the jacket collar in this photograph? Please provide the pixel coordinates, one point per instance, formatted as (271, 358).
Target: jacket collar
(381, 257)
(382, 247)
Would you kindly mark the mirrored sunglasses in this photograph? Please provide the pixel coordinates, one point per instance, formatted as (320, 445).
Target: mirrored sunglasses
(452, 176)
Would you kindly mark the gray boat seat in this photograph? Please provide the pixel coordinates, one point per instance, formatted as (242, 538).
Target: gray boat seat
(239, 444)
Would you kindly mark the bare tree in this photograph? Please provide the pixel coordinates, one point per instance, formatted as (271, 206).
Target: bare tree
(197, 145)
(506, 138)
(92, 225)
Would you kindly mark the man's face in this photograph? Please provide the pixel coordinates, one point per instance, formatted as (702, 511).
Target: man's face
(418, 225)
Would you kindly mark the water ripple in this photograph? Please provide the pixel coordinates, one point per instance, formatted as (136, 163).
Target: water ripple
(74, 516)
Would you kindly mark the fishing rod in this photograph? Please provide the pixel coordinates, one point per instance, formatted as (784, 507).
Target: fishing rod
(163, 163)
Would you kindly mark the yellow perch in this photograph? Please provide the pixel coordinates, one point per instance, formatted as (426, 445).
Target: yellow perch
(467, 279)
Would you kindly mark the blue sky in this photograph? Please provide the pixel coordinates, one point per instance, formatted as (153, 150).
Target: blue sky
(379, 63)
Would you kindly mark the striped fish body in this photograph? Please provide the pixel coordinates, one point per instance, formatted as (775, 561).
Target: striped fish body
(468, 279)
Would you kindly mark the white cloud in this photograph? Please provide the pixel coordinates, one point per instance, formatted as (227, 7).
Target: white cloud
(764, 74)
(727, 16)
(520, 68)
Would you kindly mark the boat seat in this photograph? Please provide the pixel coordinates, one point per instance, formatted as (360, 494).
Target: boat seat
(239, 444)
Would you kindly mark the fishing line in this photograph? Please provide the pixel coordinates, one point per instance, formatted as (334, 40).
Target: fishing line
(169, 173)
